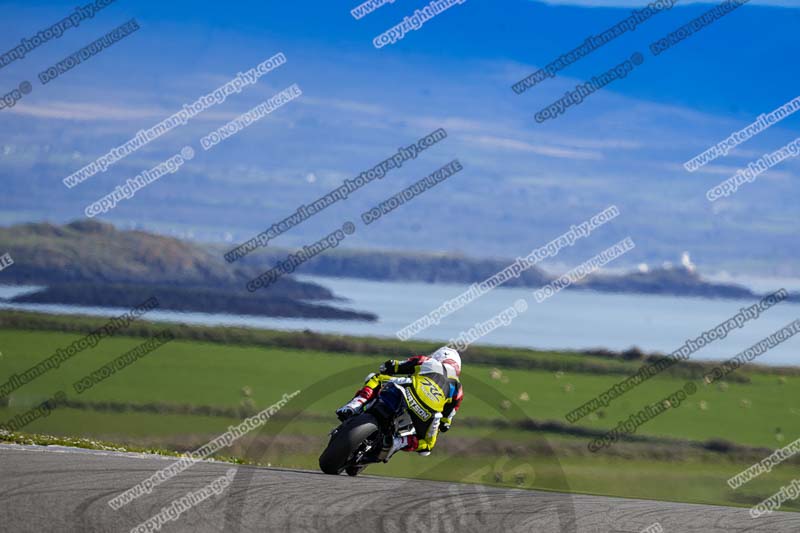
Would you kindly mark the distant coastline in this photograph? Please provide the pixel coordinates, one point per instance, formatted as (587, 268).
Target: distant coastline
(677, 280)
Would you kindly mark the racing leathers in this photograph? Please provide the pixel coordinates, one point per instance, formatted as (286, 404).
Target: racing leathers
(439, 422)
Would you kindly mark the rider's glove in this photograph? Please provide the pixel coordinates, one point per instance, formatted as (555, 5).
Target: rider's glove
(444, 426)
(388, 367)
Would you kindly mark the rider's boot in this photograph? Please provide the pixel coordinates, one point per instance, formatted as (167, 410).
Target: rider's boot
(351, 408)
(397, 444)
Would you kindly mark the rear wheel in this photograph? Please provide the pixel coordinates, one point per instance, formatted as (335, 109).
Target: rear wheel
(353, 471)
(346, 442)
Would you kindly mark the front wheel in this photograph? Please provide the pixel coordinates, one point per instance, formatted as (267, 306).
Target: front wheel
(346, 441)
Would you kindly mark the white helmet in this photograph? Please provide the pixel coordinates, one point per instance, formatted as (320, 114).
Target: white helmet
(448, 357)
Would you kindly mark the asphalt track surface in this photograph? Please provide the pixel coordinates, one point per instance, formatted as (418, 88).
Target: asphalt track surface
(65, 489)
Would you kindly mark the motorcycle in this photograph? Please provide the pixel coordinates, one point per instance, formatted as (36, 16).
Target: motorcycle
(403, 406)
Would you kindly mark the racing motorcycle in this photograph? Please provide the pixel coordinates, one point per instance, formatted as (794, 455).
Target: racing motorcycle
(403, 406)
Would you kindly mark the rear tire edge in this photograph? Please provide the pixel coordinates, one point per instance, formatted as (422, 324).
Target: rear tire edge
(350, 435)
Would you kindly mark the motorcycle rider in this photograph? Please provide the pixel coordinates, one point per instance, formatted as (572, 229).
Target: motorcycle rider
(451, 361)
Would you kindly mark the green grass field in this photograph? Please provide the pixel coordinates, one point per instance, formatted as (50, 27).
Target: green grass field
(193, 373)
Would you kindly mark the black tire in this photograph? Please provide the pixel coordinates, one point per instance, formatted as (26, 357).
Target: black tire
(353, 471)
(346, 441)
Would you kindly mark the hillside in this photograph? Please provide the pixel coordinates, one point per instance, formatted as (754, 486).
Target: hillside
(93, 263)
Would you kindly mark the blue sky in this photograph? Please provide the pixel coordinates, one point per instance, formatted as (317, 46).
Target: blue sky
(639, 3)
(523, 182)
